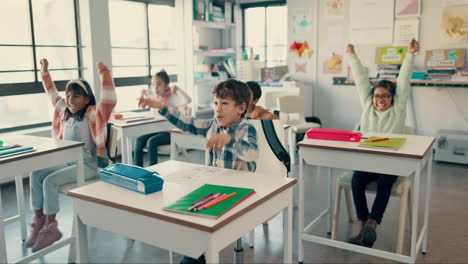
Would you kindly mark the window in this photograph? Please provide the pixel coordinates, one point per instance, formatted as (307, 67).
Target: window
(266, 33)
(142, 44)
(35, 29)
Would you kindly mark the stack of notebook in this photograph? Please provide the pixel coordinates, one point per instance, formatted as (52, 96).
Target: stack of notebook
(13, 149)
(188, 203)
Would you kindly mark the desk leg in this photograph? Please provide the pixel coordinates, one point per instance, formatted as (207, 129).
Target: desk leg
(287, 232)
(123, 146)
(173, 148)
(3, 252)
(211, 255)
(300, 226)
(20, 201)
(80, 177)
(329, 200)
(414, 224)
(81, 240)
(428, 202)
(129, 151)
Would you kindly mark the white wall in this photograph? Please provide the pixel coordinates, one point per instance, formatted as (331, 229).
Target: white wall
(338, 106)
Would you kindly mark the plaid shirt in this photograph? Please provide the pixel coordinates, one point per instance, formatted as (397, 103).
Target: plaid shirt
(239, 154)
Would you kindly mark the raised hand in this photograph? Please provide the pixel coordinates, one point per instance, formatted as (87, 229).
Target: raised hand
(44, 65)
(413, 46)
(102, 68)
(350, 49)
(174, 89)
(144, 102)
(217, 142)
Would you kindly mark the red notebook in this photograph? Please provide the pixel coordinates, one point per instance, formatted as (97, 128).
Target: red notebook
(334, 134)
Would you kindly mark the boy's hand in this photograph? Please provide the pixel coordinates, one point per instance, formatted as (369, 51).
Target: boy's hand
(350, 49)
(143, 102)
(413, 46)
(44, 65)
(217, 142)
(102, 68)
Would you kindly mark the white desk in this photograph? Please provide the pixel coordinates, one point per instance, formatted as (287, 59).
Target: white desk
(48, 152)
(141, 217)
(129, 131)
(410, 158)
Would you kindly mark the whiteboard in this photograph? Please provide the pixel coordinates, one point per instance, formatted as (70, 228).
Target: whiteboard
(371, 21)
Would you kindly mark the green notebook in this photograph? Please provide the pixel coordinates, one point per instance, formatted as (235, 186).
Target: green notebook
(392, 143)
(215, 211)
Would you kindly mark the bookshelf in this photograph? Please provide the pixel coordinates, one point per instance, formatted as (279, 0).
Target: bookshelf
(422, 83)
(211, 43)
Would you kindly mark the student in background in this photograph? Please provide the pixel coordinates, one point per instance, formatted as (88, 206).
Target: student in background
(76, 118)
(254, 111)
(167, 95)
(384, 110)
(232, 140)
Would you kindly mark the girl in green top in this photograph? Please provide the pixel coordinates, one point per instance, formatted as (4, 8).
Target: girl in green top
(384, 110)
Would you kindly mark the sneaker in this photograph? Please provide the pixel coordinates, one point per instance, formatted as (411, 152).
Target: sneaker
(356, 240)
(47, 236)
(189, 260)
(369, 235)
(36, 226)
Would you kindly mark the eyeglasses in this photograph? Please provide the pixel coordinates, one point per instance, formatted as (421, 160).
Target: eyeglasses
(382, 96)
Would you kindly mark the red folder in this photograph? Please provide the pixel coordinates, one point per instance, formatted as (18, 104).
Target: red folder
(334, 134)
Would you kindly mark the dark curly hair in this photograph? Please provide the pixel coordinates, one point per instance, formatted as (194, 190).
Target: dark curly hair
(233, 89)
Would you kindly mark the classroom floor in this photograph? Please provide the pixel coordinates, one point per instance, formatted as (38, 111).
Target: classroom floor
(448, 239)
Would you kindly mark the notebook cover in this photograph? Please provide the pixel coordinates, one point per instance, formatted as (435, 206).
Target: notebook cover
(392, 143)
(217, 210)
(19, 150)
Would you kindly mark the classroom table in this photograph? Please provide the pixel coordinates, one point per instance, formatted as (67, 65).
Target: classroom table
(129, 131)
(47, 152)
(409, 160)
(141, 217)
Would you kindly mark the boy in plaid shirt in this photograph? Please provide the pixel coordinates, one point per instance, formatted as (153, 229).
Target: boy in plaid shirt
(232, 140)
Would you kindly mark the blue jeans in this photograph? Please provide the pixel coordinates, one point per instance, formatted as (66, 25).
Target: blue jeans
(151, 142)
(384, 188)
(45, 185)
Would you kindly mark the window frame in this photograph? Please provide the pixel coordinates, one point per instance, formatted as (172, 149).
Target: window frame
(144, 80)
(10, 89)
(265, 5)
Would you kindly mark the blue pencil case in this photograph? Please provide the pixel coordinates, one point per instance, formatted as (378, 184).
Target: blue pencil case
(132, 177)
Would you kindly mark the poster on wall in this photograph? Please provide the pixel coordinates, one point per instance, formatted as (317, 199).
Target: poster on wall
(334, 8)
(405, 31)
(302, 20)
(445, 58)
(454, 24)
(371, 21)
(333, 64)
(390, 55)
(407, 8)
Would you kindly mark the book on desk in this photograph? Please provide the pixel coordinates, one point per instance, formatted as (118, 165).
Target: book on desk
(185, 203)
(383, 143)
(7, 150)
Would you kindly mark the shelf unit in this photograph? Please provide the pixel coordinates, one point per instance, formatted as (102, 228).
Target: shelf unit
(212, 35)
(429, 83)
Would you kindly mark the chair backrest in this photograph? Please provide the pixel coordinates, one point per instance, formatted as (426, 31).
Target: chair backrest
(291, 108)
(271, 99)
(268, 163)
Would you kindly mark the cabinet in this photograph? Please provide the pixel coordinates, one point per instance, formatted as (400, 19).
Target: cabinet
(206, 44)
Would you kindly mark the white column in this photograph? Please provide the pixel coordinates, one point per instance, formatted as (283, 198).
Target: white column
(95, 35)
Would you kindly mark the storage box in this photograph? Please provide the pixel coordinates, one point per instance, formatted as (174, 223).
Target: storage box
(451, 146)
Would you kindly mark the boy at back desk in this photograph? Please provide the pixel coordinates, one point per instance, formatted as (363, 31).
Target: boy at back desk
(231, 139)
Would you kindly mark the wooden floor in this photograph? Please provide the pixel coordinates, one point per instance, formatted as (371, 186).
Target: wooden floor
(448, 228)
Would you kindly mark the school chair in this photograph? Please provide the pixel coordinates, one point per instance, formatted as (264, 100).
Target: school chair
(181, 141)
(273, 160)
(401, 188)
(292, 110)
